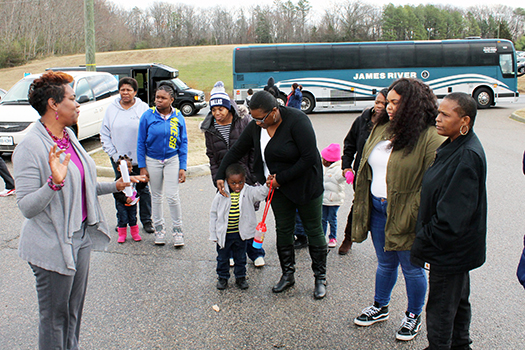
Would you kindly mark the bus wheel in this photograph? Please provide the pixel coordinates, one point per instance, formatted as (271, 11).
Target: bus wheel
(282, 99)
(308, 103)
(483, 97)
(75, 129)
(187, 109)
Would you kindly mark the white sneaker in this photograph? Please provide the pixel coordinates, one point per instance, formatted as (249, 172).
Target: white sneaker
(232, 263)
(7, 192)
(178, 237)
(160, 235)
(259, 262)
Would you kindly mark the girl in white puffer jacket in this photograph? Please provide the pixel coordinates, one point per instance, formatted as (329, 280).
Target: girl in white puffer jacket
(334, 191)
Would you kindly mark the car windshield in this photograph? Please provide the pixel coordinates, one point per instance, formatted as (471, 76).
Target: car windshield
(180, 84)
(18, 93)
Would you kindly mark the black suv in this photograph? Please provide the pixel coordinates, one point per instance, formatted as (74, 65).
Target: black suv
(149, 76)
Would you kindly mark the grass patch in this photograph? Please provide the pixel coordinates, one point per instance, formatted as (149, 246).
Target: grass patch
(199, 66)
(521, 84)
(196, 146)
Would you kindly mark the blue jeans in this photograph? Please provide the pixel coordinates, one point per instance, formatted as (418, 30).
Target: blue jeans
(388, 262)
(236, 246)
(144, 194)
(126, 215)
(330, 217)
(299, 229)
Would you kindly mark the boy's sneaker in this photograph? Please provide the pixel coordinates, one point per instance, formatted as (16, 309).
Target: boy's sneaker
(7, 192)
(371, 315)
(241, 283)
(259, 262)
(178, 237)
(222, 283)
(232, 262)
(332, 243)
(160, 236)
(409, 327)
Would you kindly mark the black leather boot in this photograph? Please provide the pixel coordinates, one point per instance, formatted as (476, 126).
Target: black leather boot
(318, 255)
(287, 260)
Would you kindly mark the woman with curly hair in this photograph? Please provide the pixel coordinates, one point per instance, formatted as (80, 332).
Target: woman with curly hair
(57, 190)
(400, 148)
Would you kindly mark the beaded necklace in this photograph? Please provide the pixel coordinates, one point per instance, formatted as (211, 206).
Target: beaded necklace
(62, 143)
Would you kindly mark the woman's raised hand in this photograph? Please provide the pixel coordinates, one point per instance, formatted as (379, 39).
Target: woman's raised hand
(220, 187)
(58, 170)
(135, 178)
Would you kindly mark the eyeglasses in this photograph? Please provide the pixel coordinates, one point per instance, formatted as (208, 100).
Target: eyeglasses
(263, 119)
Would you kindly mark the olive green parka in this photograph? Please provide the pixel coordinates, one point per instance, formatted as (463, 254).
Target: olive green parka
(404, 176)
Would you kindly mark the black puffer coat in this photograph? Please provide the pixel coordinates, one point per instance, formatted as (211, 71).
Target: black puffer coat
(216, 146)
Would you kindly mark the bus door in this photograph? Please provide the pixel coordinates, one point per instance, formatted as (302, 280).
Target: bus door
(142, 76)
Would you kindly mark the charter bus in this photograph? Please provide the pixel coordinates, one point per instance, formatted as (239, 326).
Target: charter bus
(348, 75)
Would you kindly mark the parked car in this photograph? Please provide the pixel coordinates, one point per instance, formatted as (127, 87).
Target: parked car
(149, 77)
(521, 68)
(95, 91)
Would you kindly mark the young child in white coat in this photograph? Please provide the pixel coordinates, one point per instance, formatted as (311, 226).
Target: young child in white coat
(334, 191)
(232, 222)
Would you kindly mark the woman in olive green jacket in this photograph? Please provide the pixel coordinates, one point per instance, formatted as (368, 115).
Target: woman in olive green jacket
(386, 200)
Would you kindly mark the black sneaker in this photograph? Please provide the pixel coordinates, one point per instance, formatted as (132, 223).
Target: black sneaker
(148, 227)
(409, 327)
(300, 242)
(222, 283)
(371, 315)
(241, 283)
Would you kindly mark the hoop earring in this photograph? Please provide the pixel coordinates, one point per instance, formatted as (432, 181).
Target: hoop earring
(461, 130)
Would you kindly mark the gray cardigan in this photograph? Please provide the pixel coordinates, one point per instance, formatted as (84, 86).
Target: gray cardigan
(220, 210)
(53, 216)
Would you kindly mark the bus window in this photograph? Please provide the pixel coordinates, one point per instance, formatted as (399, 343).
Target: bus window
(372, 56)
(264, 59)
(345, 56)
(505, 63)
(291, 58)
(401, 56)
(456, 54)
(482, 54)
(318, 57)
(429, 55)
(242, 61)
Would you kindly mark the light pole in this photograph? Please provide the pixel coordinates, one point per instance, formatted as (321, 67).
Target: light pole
(89, 30)
(429, 30)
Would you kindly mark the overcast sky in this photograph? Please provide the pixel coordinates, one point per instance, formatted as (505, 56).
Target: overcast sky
(317, 5)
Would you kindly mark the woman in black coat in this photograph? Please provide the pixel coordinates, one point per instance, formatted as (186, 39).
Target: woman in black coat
(285, 153)
(452, 223)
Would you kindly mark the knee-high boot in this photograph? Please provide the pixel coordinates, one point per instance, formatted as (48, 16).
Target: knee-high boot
(318, 255)
(287, 259)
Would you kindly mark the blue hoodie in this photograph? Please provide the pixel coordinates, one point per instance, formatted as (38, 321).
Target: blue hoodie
(162, 139)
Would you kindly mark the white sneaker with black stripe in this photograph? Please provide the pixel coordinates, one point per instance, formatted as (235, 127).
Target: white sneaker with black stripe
(409, 327)
(372, 314)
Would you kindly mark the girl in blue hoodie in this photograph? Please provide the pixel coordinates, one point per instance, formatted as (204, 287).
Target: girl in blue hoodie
(162, 153)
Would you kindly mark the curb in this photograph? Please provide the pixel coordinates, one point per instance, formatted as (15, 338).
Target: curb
(517, 118)
(192, 171)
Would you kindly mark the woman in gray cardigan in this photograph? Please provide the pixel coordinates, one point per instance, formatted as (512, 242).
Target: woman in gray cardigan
(64, 220)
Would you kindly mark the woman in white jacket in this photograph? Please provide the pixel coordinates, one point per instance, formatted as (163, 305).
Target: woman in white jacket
(334, 191)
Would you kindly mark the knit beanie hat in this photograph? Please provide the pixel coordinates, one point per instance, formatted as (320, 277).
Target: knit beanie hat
(332, 153)
(219, 97)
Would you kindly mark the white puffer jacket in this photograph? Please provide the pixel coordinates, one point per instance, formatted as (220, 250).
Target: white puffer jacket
(334, 191)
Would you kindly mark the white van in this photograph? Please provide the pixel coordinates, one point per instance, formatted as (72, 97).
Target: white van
(94, 92)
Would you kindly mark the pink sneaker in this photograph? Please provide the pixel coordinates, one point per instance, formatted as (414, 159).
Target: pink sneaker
(332, 243)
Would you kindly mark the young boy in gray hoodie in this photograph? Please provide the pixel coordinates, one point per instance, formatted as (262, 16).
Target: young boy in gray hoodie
(232, 222)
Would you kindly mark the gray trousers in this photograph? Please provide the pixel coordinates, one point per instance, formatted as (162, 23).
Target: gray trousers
(61, 298)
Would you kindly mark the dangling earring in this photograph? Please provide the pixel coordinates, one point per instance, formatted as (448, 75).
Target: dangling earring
(461, 130)
(56, 115)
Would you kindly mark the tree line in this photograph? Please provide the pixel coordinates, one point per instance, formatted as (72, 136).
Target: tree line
(39, 28)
